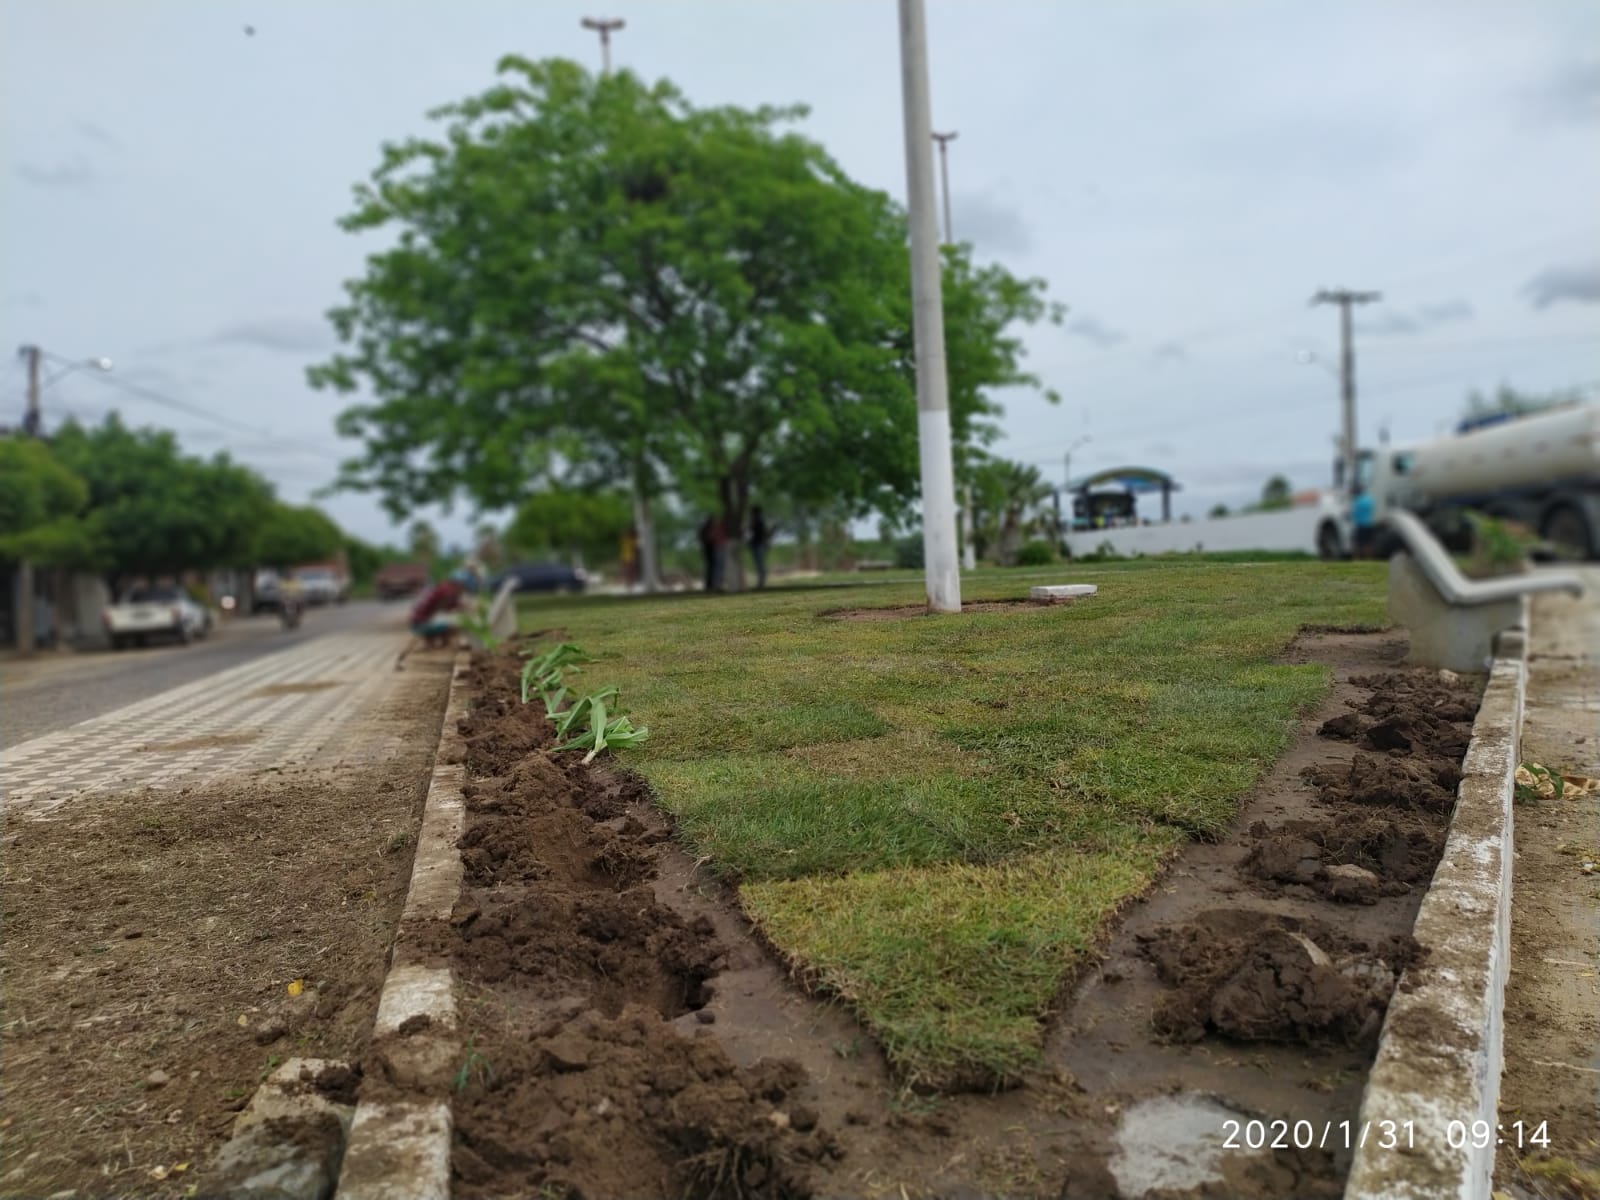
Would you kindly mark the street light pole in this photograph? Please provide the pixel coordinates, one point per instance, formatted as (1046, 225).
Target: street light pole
(941, 571)
(604, 28)
(1067, 467)
(944, 139)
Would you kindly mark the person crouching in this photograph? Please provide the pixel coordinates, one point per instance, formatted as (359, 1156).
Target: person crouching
(436, 618)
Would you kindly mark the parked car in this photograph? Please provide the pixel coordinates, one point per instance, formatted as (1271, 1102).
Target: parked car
(543, 577)
(322, 585)
(400, 579)
(151, 612)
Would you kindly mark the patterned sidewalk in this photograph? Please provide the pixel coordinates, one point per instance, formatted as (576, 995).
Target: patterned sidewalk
(281, 710)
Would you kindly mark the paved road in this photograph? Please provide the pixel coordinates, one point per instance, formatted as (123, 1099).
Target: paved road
(53, 691)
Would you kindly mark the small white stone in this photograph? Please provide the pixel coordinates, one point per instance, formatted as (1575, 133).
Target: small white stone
(1062, 591)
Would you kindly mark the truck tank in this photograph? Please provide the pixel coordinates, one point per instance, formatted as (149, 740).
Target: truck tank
(1539, 452)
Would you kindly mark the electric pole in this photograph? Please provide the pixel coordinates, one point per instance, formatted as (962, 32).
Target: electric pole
(32, 425)
(32, 422)
(944, 139)
(942, 571)
(1345, 298)
(604, 28)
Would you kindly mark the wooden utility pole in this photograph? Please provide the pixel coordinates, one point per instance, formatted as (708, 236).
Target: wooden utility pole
(1345, 298)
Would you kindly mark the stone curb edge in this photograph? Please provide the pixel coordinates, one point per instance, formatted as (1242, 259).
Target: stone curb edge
(1441, 1050)
(400, 1150)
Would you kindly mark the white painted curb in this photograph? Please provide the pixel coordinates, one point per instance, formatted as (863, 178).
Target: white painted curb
(401, 1150)
(1440, 1055)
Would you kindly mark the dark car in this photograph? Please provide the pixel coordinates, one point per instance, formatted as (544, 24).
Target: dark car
(543, 577)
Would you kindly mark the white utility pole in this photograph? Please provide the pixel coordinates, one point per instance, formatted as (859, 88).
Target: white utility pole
(604, 28)
(942, 571)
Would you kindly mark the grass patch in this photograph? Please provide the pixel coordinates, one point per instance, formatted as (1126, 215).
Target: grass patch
(933, 816)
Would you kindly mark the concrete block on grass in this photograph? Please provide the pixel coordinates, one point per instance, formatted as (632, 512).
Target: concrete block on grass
(1057, 593)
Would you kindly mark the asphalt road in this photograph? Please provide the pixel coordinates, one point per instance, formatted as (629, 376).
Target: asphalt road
(52, 691)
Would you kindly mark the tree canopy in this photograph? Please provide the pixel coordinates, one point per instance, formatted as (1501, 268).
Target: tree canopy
(154, 509)
(290, 534)
(594, 282)
(41, 502)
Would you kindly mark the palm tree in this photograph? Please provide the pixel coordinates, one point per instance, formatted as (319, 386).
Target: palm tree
(1021, 490)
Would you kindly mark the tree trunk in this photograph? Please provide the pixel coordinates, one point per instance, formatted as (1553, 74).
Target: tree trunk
(735, 493)
(648, 562)
(58, 590)
(1010, 540)
(24, 609)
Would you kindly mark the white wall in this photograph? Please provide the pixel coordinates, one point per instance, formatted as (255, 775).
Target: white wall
(1288, 529)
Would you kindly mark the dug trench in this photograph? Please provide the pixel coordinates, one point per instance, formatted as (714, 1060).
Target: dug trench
(626, 1033)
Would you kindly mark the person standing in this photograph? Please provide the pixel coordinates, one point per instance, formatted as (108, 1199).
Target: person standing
(1363, 518)
(719, 553)
(708, 552)
(630, 557)
(760, 538)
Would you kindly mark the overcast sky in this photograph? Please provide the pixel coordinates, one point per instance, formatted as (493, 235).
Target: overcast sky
(1185, 176)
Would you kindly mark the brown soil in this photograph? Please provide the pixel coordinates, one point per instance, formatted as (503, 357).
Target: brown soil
(1259, 971)
(579, 1085)
(159, 931)
(296, 689)
(211, 741)
(1259, 976)
(627, 1035)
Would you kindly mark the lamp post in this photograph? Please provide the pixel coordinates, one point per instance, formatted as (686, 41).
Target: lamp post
(944, 139)
(604, 27)
(1066, 463)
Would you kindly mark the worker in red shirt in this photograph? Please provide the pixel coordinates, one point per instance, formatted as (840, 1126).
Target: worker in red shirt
(435, 619)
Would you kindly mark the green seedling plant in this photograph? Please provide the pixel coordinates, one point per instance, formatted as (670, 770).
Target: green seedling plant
(543, 673)
(603, 731)
(569, 718)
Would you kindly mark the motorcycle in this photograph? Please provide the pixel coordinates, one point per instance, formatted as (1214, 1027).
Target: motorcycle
(289, 612)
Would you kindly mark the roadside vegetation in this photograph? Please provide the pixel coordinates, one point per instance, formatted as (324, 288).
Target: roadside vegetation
(933, 817)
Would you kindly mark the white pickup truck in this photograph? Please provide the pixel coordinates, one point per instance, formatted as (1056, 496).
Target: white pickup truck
(155, 612)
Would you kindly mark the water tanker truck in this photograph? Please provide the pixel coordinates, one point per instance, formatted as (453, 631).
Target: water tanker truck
(1541, 470)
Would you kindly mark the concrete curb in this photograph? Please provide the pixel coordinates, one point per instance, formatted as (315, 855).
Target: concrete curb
(400, 1149)
(1439, 1058)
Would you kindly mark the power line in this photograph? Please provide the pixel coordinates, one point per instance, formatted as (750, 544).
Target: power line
(195, 410)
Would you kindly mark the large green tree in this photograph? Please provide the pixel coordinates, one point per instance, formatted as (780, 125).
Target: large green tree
(594, 281)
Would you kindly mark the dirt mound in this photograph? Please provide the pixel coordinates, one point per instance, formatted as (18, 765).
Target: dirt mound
(1381, 854)
(1388, 782)
(596, 1107)
(579, 1087)
(1257, 976)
